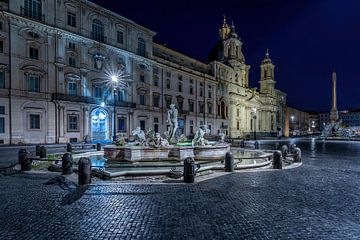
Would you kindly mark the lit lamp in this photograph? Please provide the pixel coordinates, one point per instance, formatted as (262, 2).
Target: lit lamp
(292, 123)
(114, 80)
(253, 115)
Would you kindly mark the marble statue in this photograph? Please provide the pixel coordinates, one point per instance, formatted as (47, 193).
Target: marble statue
(172, 119)
(222, 137)
(139, 136)
(199, 139)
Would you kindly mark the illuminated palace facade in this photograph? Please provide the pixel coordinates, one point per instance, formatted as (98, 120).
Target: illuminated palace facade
(56, 55)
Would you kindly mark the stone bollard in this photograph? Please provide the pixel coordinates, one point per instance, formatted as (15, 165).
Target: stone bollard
(22, 154)
(189, 170)
(292, 148)
(67, 164)
(257, 145)
(37, 150)
(297, 155)
(26, 162)
(84, 171)
(284, 151)
(69, 147)
(98, 146)
(229, 162)
(277, 162)
(43, 152)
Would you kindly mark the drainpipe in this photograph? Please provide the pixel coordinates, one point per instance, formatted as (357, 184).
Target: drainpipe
(10, 86)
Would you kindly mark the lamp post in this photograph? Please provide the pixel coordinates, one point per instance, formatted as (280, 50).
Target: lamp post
(253, 115)
(114, 80)
(292, 123)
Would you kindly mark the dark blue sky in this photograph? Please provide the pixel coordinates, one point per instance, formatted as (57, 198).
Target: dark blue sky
(306, 38)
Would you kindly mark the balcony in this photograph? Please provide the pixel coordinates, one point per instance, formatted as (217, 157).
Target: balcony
(98, 37)
(90, 100)
(36, 15)
(142, 53)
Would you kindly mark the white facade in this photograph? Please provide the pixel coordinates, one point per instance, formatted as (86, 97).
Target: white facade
(56, 55)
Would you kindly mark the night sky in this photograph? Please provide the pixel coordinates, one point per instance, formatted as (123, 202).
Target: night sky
(306, 38)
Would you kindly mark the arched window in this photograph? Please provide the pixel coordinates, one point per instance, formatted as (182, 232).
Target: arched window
(32, 9)
(98, 30)
(141, 47)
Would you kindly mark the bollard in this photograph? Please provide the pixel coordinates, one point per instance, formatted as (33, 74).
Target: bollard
(43, 152)
(297, 155)
(277, 162)
(98, 146)
(229, 162)
(292, 148)
(189, 170)
(21, 155)
(67, 164)
(26, 162)
(284, 151)
(84, 171)
(257, 145)
(37, 150)
(69, 147)
(242, 143)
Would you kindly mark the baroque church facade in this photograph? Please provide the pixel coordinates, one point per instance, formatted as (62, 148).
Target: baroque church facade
(57, 59)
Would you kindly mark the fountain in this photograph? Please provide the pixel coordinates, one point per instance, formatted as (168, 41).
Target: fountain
(151, 146)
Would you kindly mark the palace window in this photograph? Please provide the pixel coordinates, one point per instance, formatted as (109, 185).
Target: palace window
(209, 93)
(238, 125)
(142, 99)
(201, 107)
(180, 77)
(32, 9)
(210, 108)
(2, 79)
(156, 99)
(156, 81)
(33, 83)
(72, 46)
(180, 87)
(34, 121)
(71, 19)
(2, 125)
(191, 90)
(168, 100)
(168, 74)
(98, 92)
(1, 46)
(34, 53)
(238, 112)
(72, 88)
(142, 125)
(141, 47)
(201, 92)
(121, 124)
(98, 31)
(191, 106)
(142, 78)
(168, 84)
(122, 95)
(120, 37)
(72, 62)
(156, 124)
(73, 123)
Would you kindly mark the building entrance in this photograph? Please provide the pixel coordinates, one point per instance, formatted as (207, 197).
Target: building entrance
(99, 124)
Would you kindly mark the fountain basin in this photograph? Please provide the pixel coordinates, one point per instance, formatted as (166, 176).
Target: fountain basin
(140, 153)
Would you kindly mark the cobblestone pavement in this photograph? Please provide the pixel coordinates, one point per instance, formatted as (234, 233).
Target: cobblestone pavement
(319, 200)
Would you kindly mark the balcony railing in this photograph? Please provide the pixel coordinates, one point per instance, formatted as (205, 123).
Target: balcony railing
(142, 53)
(90, 100)
(32, 14)
(98, 37)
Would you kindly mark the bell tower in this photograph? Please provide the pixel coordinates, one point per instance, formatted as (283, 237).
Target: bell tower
(267, 78)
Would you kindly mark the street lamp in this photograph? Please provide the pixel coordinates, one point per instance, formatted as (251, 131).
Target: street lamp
(292, 123)
(115, 80)
(253, 115)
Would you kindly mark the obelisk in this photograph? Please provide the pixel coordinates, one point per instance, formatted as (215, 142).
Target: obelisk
(334, 115)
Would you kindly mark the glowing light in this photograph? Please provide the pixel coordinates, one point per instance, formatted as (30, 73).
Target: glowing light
(102, 116)
(102, 104)
(114, 78)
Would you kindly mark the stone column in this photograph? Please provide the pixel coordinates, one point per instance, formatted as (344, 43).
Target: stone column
(85, 120)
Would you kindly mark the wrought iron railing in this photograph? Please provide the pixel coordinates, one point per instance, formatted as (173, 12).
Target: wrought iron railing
(98, 37)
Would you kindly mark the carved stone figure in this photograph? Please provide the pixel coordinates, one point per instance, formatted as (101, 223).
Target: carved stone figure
(172, 119)
(99, 59)
(139, 136)
(199, 139)
(222, 137)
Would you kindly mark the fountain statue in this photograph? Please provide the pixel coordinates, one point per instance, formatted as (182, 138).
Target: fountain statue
(172, 119)
(139, 136)
(199, 139)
